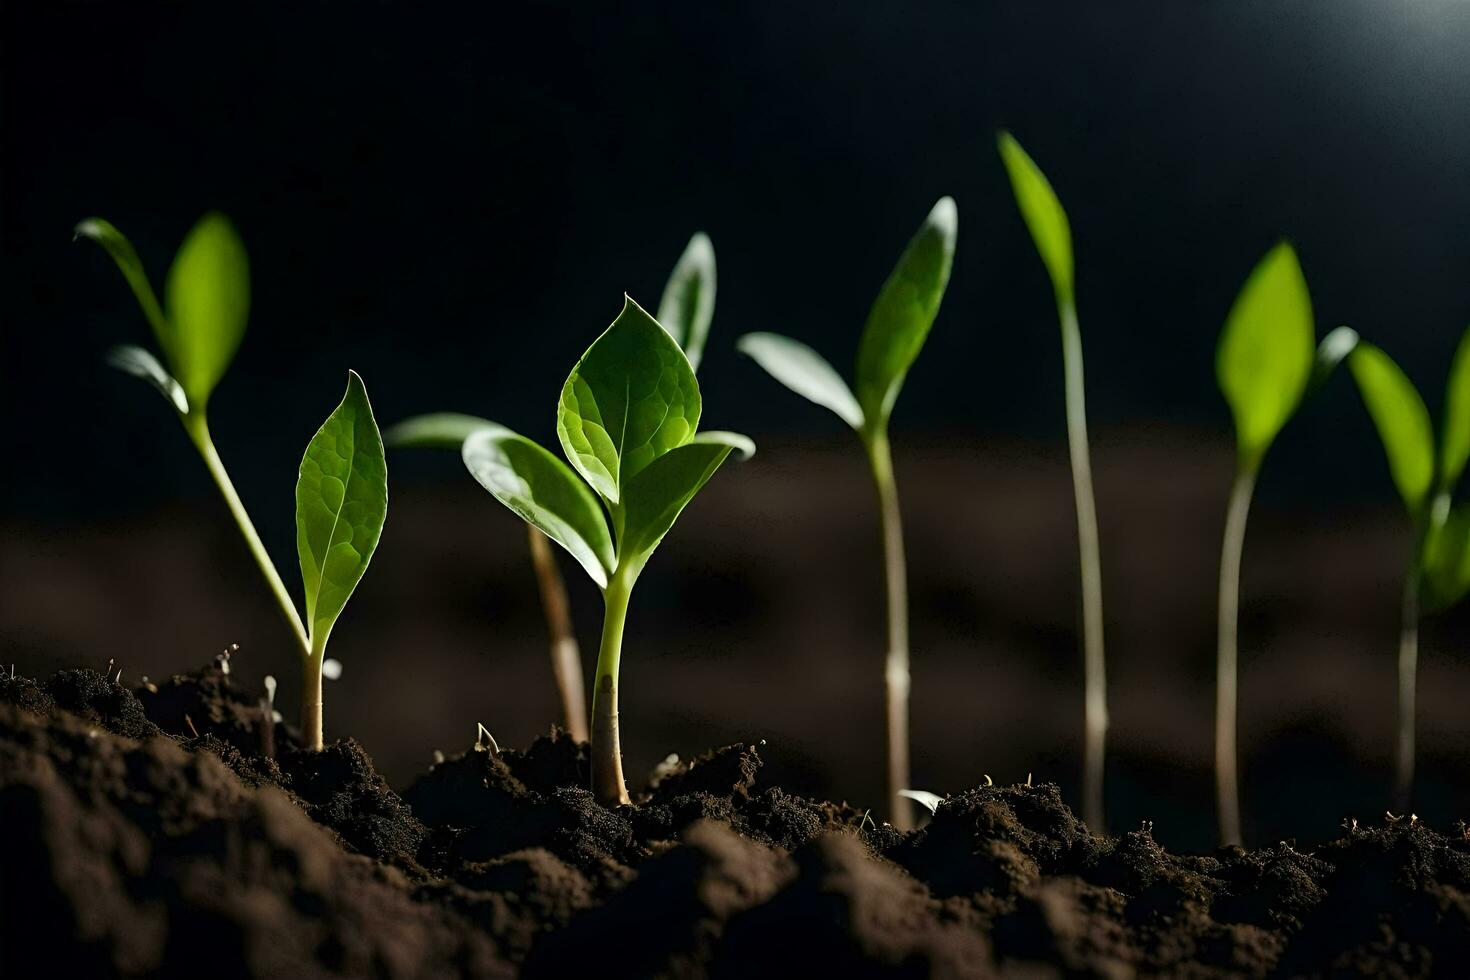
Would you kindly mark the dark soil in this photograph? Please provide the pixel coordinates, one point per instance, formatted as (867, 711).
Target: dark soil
(146, 833)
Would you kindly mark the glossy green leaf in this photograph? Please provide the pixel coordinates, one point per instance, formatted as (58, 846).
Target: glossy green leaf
(900, 319)
(142, 364)
(208, 301)
(126, 258)
(1402, 421)
(1447, 560)
(1265, 354)
(1332, 351)
(1043, 214)
(439, 430)
(804, 371)
(630, 399)
(341, 503)
(688, 303)
(657, 495)
(543, 491)
(1454, 447)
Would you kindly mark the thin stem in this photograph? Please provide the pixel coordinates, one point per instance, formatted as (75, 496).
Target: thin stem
(1094, 670)
(311, 695)
(1408, 670)
(607, 754)
(566, 659)
(1227, 785)
(896, 664)
(198, 429)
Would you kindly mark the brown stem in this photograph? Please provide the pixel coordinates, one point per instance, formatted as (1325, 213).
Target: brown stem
(566, 659)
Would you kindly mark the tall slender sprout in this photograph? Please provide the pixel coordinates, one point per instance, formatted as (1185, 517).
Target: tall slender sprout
(897, 326)
(1052, 233)
(1426, 480)
(685, 311)
(1263, 364)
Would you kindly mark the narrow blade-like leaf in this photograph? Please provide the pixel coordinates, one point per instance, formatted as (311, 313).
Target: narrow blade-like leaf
(688, 303)
(542, 490)
(1402, 422)
(928, 800)
(208, 297)
(1265, 354)
(439, 430)
(904, 311)
(630, 399)
(1454, 447)
(804, 371)
(656, 496)
(127, 261)
(1043, 214)
(341, 503)
(142, 364)
(1447, 560)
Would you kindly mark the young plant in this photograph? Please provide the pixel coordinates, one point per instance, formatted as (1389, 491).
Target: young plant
(685, 311)
(341, 491)
(628, 421)
(1439, 574)
(1052, 233)
(894, 334)
(1263, 364)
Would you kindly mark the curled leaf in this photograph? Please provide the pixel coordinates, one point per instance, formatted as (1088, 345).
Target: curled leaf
(804, 371)
(688, 304)
(142, 364)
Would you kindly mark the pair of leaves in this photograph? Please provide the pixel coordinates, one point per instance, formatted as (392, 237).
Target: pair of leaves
(896, 328)
(207, 296)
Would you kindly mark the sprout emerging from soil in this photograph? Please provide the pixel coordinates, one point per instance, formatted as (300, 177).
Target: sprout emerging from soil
(685, 311)
(1052, 233)
(628, 421)
(342, 489)
(1439, 574)
(897, 326)
(1263, 364)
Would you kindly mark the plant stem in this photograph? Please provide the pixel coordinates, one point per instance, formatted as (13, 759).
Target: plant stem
(1227, 786)
(566, 659)
(607, 754)
(311, 696)
(198, 429)
(1094, 670)
(896, 665)
(1403, 782)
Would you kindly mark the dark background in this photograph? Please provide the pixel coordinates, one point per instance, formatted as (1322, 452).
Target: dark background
(451, 201)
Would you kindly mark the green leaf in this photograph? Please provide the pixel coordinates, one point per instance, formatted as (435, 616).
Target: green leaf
(126, 257)
(1264, 358)
(804, 371)
(543, 491)
(1447, 560)
(341, 503)
(1332, 351)
(1454, 447)
(688, 303)
(656, 496)
(630, 399)
(208, 297)
(1402, 421)
(142, 364)
(903, 313)
(1043, 214)
(439, 430)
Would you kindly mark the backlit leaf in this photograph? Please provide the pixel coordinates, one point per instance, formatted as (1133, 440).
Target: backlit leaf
(1332, 351)
(1402, 421)
(657, 495)
(126, 257)
(439, 430)
(142, 364)
(1454, 447)
(1043, 214)
(804, 371)
(208, 302)
(688, 303)
(1447, 560)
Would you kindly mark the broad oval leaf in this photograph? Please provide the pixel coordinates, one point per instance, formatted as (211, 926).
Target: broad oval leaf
(341, 503)
(1402, 422)
(1454, 446)
(208, 299)
(688, 303)
(1265, 354)
(127, 261)
(1447, 559)
(905, 309)
(656, 496)
(630, 399)
(438, 430)
(1043, 214)
(542, 491)
(142, 364)
(804, 371)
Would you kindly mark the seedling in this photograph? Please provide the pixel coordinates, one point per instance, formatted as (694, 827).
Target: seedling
(895, 332)
(1263, 364)
(1439, 573)
(628, 421)
(685, 311)
(1052, 233)
(342, 488)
